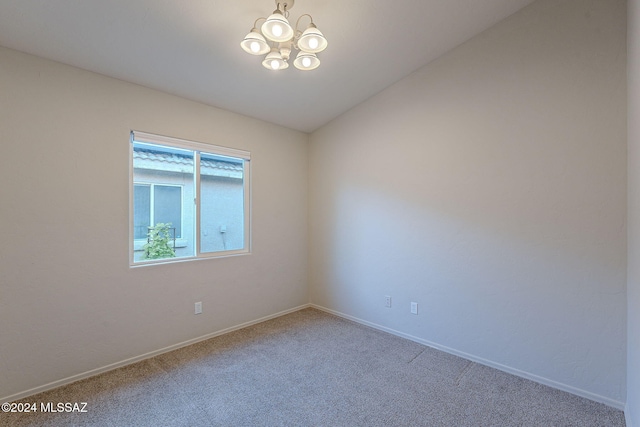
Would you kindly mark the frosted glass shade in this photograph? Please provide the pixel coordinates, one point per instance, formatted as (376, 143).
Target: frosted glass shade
(312, 40)
(306, 61)
(274, 61)
(276, 28)
(254, 43)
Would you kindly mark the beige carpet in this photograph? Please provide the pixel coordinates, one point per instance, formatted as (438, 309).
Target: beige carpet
(313, 369)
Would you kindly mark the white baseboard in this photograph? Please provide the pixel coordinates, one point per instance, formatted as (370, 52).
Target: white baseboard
(560, 386)
(141, 357)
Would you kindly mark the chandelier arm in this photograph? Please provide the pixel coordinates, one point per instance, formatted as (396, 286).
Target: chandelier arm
(298, 21)
(255, 24)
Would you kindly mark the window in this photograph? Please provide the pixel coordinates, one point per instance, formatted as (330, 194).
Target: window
(188, 199)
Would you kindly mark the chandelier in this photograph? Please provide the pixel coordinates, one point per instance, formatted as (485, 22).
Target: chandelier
(277, 39)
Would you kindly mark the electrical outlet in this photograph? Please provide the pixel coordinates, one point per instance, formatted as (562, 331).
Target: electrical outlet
(387, 301)
(198, 309)
(414, 308)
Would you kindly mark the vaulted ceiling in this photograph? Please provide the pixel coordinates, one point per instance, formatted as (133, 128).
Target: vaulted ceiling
(192, 48)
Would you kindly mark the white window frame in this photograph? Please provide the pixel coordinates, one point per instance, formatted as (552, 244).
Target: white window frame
(197, 148)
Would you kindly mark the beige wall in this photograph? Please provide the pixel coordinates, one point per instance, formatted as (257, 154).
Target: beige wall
(490, 187)
(632, 411)
(69, 302)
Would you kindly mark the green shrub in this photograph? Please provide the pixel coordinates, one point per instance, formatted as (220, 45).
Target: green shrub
(158, 246)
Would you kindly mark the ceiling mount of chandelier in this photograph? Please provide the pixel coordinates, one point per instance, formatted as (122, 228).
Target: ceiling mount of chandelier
(277, 38)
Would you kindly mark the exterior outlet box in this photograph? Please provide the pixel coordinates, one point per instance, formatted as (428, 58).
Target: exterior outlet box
(414, 308)
(387, 301)
(198, 309)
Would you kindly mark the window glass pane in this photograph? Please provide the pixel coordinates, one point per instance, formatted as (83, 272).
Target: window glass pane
(222, 203)
(168, 174)
(167, 206)
(141, 212)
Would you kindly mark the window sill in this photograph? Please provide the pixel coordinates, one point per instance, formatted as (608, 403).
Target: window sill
(218, 255)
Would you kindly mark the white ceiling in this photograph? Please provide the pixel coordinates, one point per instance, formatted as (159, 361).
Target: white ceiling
(191, 48)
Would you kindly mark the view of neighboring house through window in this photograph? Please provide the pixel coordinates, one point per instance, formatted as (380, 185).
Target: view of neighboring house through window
(188, 199)
(156, 203)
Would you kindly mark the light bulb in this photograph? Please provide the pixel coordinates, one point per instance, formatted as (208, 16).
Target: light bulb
(277, 30)
(313, 43)
(306, 61)
(275, 64)
(255, 47)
